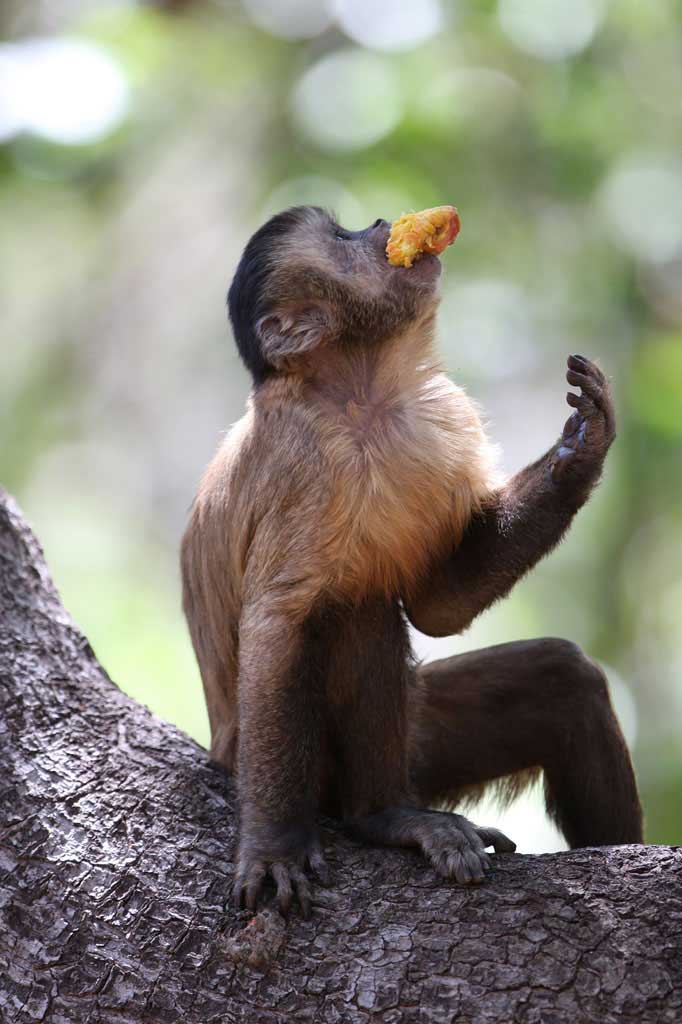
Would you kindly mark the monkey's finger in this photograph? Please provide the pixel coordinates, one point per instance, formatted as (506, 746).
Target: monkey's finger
(318, 865)
(498, 840)
(238, 889)
(474, 841)
(253, 886)
(572, 425)
(459, 868)
(599, 389)
(576, 362)
(476, 865)
(582, 403)
(584, 365)
(581, 364)
(581, 380)
(303, 891)
(477, 851)
(588, 385)
(465, 867)
(284, 891)
(443, 862)
(238, 894)
(451, 864)
(574, 431)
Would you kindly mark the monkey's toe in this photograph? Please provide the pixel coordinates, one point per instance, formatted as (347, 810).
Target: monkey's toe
(318, 865)
(468, 867)
(303, 890)
(290, 881)
(498, 840)
(248, 885)
(454, 848)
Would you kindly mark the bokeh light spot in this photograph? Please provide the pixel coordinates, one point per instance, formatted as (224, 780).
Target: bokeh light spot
(551, 29)
(483, 96)
(484, 320)
(386, 25)
(66, 90)
(657, 386)
(642, 202)
(290, 19)
(348, 100)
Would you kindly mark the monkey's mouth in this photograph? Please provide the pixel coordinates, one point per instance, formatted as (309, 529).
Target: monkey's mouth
(427, 268)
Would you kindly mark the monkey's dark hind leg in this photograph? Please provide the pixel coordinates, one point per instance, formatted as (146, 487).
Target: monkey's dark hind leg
(369, 683)
(518, 706)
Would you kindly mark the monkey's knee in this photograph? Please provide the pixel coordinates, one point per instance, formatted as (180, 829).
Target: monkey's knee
(574, 678)
(590, 786)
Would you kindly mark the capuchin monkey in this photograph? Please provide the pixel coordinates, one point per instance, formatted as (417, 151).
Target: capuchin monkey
(358, 494)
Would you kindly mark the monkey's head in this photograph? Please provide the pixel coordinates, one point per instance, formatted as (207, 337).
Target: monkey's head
(305, 285)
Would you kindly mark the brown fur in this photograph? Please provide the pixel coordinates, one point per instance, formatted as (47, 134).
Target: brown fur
(497, 717)
(343, 485)
(361, 480)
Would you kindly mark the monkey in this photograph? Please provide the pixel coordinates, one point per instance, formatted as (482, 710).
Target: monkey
(358, 494)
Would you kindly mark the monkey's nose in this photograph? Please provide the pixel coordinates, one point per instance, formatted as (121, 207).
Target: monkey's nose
(379, 223)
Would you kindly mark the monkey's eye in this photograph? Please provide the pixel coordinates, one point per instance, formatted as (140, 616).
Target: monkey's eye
(343, 236)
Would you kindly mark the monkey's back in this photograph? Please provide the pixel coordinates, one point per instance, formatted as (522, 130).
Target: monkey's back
(252, 536)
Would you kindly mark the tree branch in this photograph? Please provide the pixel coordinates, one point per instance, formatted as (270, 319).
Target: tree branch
(116, 840)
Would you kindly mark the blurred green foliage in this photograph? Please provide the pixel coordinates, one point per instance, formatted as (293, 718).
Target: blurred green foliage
(118, 375)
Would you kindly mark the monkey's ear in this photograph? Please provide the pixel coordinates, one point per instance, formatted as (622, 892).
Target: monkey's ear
(294, 331)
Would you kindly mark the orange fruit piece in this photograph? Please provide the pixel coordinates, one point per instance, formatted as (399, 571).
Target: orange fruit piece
(429, 231)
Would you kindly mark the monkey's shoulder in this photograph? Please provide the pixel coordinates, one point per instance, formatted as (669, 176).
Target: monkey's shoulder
(268, 469)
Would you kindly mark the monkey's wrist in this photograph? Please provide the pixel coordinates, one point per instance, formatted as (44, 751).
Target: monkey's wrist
(275, 840)
(575, 482)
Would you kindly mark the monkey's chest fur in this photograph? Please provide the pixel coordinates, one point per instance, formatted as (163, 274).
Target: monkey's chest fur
(406, 471)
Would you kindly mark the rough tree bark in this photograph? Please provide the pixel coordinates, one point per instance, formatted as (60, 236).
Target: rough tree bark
(116, 862)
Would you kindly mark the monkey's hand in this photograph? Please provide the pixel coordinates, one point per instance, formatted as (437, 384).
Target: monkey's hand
(587, 435)
(285, 862)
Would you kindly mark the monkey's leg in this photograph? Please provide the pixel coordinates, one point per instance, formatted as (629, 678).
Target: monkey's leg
(279, 757)
(517, 706)
(370, 675)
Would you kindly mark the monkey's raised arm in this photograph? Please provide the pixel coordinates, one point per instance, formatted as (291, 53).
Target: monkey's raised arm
(526, 518)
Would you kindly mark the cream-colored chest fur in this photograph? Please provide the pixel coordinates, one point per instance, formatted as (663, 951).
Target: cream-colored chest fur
(409, 463)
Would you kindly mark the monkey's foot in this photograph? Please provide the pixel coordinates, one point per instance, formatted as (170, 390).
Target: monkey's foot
(589, 431)
(454, 845)
(259, 861)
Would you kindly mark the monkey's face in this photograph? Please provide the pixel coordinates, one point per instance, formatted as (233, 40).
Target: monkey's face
(306, 285)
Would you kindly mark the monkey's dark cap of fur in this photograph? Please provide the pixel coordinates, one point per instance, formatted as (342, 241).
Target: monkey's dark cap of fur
(245, 297)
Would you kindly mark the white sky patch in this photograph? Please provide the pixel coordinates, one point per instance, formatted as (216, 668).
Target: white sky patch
(641, 201)
(387, 25)
(66, 90)
(290, 19)
(348, 100)
(551, 29)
